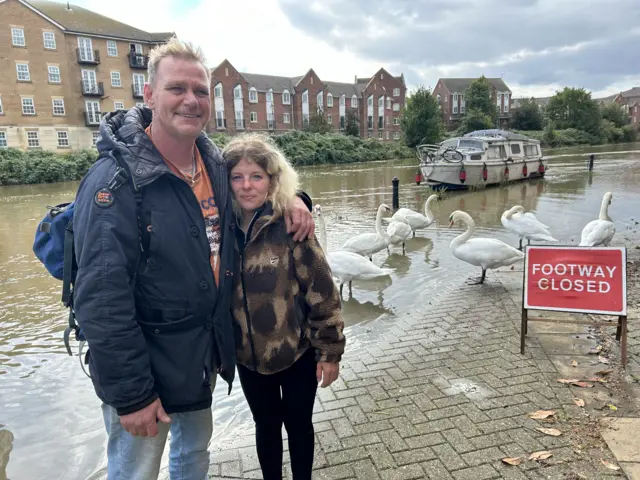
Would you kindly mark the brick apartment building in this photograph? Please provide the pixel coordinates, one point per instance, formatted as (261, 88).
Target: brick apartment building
(244, 102)
(450, 94)
(61, 67)
(629, 100)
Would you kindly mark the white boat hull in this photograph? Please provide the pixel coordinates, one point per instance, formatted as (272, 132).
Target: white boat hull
(445, 174)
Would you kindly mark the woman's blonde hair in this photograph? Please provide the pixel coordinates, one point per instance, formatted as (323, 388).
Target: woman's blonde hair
(261, 150)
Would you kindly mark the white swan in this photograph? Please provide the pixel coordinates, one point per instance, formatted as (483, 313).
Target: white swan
(600, 231)
(481, 252)
(398, 231)
(415, 219)
(367, 244)
(525, 225)
(347, 266)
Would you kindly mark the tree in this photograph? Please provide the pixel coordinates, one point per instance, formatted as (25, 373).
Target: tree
(574, 108)
(615, 114)
(421, 120)
(318, 124)
(475, 119)
(527, 116)
(478, 97)
(352, 124)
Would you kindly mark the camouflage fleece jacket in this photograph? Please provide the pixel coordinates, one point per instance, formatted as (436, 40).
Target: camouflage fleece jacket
(284, 298)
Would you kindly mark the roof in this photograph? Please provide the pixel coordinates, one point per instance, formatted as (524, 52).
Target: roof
(458, 85)
(632, 94)
(349, 89)
(263, 83)
(80, 20)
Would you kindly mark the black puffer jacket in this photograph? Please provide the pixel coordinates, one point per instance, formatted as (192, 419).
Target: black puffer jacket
(156, 325)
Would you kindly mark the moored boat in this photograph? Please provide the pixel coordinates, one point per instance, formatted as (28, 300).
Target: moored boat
(481, 158)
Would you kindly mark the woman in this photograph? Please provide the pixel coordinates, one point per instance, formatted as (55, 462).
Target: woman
(288, 325)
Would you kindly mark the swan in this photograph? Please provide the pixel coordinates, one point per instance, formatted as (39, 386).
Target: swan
(347, 266)
(367, 244)
(600, 231)
(415, 219)
(481, 252)
(525, 225)
(398, 231)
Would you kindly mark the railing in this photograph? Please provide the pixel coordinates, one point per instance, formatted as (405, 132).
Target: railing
(82, 57)
(271, 124)
(138, 60)
(92, 89)
(137, 91)
(92, 118)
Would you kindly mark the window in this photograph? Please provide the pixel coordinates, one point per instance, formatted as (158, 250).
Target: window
(138, 83)
(118, 105)
(341, 121)
(388, 103)
(116, 81)
(506, 102)
(387, 135)
(396, 135)
(515, 149)
(370, 122)
(253, 95)
(380, 135)
(112, 48)
(58, 106)
(17, 37)
(438, 97)
(305, 119)
(28, 108)
(63, 139)
(237, 91)
(354, 102)
(1, 110)
(396, 92)
(33, 139)
(23, 72)
(85, 47)
(311, 80)
(455, 103)
(141, 104)
(286, 97)
(3, 139)
(305, 97)
(330, 119)
(320, 100)
(95, 136)
(219, 119)
(54, 74)
(396, 107)
(531, 150)
(329, 100)
(93, 112)
(270, 95)
(254, 117)
(239, 120)
(370, 101)
(396, 121)
(342, 100)
(49, 39)
(496, 151)
(381, 106)
(217, 91)
(286, 118)
(462, 104)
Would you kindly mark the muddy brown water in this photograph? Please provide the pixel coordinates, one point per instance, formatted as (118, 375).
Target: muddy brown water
(50, 422)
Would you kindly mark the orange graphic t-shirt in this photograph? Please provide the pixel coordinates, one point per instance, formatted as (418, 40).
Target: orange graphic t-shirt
(203, 191)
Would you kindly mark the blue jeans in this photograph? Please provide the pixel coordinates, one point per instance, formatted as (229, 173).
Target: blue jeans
(138, 458)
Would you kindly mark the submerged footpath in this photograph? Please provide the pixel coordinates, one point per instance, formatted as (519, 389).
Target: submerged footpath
(444, 393)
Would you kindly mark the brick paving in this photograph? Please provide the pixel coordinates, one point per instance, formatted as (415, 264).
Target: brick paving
(441, 393)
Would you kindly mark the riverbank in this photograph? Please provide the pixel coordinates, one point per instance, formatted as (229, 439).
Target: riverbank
(18, 167)
(572, 137)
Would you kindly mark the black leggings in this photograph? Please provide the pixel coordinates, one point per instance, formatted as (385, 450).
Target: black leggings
(293, 406)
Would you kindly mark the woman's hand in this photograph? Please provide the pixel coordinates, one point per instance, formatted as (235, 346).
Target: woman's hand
(327, 372)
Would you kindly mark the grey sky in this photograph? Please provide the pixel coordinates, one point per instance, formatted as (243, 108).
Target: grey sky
(532, 43)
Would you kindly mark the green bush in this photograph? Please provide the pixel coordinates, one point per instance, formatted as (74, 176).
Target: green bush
(39, 166)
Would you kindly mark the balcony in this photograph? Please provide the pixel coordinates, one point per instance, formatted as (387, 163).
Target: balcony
(92, 89)
(137, 91)
(92, 119)
(92, 57)
(138, 60)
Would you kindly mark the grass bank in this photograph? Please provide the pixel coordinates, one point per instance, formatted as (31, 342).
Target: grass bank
(570, 137)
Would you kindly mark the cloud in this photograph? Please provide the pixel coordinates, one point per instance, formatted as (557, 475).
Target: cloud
(534, 44)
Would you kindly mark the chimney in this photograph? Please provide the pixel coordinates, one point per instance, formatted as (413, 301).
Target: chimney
(355, 79)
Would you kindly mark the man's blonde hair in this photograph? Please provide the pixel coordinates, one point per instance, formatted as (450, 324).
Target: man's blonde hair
(261, 150)
(178, 49)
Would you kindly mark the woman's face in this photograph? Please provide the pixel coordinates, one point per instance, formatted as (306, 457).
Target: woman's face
(250, 185)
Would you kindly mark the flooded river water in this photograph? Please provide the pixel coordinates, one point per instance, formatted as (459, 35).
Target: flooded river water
(50, 423)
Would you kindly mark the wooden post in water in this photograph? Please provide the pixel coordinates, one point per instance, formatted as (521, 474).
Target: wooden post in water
(591, 159)
(395, 182)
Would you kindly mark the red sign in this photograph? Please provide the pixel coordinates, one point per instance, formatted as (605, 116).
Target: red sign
(576, 279)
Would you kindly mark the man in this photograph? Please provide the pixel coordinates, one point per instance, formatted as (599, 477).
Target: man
(155, 258)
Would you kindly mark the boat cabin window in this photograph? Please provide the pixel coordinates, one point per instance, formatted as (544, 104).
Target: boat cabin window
(496, 152)
(450, 143)
(476, 156)
(515, 149)
(476, 144)
(531, 150)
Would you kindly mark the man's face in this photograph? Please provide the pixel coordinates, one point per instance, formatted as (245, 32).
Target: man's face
(180, 98)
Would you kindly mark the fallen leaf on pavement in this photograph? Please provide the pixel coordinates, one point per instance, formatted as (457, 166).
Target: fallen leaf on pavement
(550, 431)
(595, 351)
(579, 402)
(604, 372)
(597, 379)
(612, 407)
(541, 414)
(574, 364)
(568, 380)
(512, 461)
(582, 384)
(604, 360)
(610, 466)
(540, 455)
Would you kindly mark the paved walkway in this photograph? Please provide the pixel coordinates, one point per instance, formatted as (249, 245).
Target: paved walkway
(442, 393)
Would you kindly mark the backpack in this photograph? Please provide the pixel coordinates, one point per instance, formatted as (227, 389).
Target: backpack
(54, 246)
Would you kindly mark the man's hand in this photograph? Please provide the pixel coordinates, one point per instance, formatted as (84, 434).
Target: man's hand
(299, 220)
(327, 372)
(143, 422)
